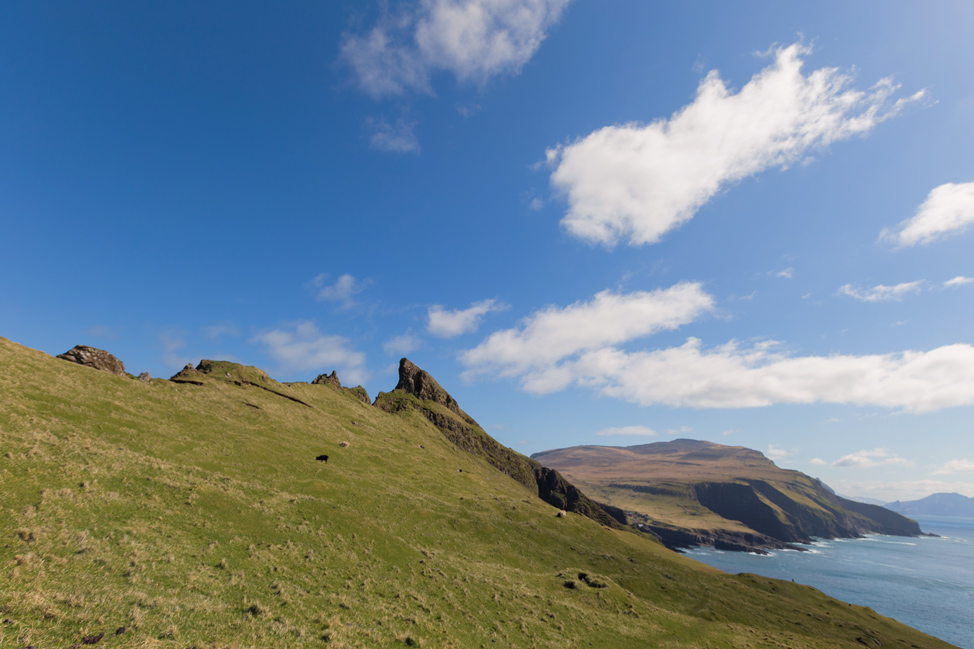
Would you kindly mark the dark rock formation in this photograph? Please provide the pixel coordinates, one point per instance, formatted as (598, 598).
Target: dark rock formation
(417, 390)
(328, 379)
(332, 379)
(424, 387)
(796, 522)
(96, 358)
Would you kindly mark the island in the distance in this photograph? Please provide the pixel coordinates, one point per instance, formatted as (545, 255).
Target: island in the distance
(697, 493)
(940, 504)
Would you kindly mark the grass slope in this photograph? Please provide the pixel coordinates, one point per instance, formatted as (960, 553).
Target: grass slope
(195, 515)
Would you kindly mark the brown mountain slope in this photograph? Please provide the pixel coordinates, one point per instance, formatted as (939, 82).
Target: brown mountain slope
(691, 492)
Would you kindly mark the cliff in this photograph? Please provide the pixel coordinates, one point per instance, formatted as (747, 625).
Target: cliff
(691, 492)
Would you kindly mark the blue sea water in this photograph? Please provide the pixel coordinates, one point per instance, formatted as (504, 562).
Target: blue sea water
(927, 583)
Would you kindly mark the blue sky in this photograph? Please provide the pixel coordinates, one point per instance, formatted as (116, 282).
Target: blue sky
(593, 223)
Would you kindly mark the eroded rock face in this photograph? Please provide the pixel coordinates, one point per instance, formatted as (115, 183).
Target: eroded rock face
(331, 379)
(92, 357)
(421, 385)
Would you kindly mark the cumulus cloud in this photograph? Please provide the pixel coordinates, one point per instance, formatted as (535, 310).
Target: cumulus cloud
(866, 459)
(343, 290)
(472, 39)
(534, 349)
(817, 461)
(304, 348)
(395, 138)
(948, 210)
(452, 323)
(632, 431)
(955, 466)
(959, 281)
(882, 293)
(734, 376)
(637, 181)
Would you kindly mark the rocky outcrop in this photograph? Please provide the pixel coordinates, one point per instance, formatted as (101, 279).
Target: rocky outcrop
(332, 379)
(328, 379)
(424, 387)
(417, 390)
(98, 359)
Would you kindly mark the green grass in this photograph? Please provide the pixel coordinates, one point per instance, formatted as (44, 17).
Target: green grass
(197, 516)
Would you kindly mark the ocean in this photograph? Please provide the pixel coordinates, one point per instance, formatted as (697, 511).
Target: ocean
(925, 582)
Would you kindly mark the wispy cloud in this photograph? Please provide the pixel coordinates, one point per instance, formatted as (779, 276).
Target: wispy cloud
(343, 290)
(888, 491)
(401, 345)
(629, 431)
(955, 466)
(102, 331)
(450, 323)
(882, 293)
(958, 281)
(682, 430)
(472, 39)
(215, 332)
(399, 137)
(303, 348)
(787, 273)
(867, 459)
(948, 210)
(817, 461)
(637, 181)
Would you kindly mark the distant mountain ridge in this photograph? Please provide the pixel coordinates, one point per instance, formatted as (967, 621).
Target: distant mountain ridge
(939, 504)
(693, 492)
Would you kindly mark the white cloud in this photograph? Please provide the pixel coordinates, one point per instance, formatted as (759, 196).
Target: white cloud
(731, 376)
(634, 431)
(866, 459)
(787, 273)
(452, 323)
(473, 39)
(305, 348)
(955, 466)
(949, 209)
(395, 138)
(682, 430)
(882, 293)
(817, 461)
(959, 281)
(637, 181)
(776, 452)
(551, 335)
(401, 345)
(344, 288)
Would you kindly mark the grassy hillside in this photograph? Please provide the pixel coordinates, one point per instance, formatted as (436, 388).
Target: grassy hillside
(194, 514)
(692, 492)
